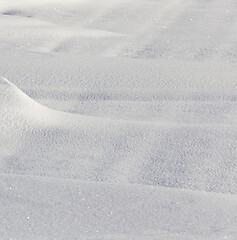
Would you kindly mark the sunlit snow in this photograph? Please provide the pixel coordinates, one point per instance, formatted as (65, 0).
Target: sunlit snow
(118, 119)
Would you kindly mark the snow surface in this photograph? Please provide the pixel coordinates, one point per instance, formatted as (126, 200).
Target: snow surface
(118, 119)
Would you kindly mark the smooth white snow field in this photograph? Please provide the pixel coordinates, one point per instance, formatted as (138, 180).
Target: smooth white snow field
(118, 119)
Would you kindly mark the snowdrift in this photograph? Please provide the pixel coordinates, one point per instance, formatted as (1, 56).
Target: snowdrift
(57, 144)
(119, 119)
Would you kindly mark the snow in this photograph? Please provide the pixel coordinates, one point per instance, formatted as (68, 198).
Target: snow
(52, 208)
(118, 119)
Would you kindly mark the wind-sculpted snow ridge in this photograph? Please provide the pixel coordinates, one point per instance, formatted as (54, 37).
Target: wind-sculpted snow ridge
(119, 119)
(57, 144)
(19, 110)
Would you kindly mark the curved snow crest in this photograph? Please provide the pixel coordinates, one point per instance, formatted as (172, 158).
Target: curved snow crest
(3, 80)
(11, 95)
(93, 149)
(17, 107)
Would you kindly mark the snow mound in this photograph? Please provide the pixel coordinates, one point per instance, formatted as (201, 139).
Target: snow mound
(20, 116)
(10, 95)
(57, 144)
(17, 108)
(91, 175)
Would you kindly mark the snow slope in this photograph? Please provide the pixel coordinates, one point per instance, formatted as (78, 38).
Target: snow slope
(52, 208)
(119, 121)
(117, 151)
